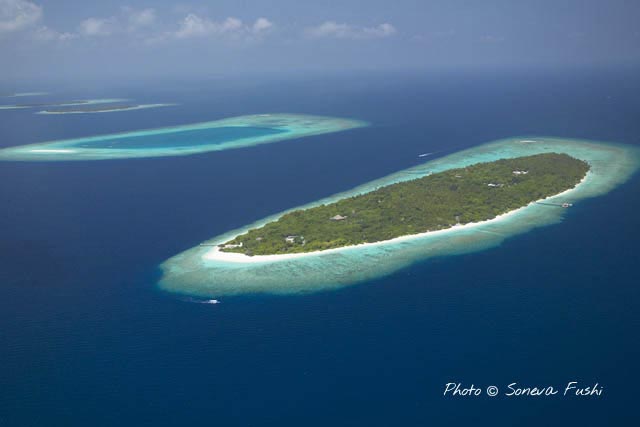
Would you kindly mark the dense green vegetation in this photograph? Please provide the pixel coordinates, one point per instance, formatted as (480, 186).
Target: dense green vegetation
(438, 201)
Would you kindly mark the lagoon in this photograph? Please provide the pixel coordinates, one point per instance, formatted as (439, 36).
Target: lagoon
(224, 134)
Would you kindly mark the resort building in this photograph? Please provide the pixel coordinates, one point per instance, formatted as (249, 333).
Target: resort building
(231, 246)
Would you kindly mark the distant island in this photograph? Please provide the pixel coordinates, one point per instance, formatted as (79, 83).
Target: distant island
(89, 108)
(60, 104)
(438, 201)
(22, 94)
(181, 140)
(92, 108)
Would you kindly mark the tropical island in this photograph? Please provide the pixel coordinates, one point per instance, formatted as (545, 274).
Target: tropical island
(434, 202)
(205, 270)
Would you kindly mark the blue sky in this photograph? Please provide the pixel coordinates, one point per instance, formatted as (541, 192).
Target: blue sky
(72, 38)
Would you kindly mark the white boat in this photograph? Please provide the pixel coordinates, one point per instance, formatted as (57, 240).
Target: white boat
(424, 155)
(212, 301)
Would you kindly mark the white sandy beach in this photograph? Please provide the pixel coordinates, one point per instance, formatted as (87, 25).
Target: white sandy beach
(217, 255)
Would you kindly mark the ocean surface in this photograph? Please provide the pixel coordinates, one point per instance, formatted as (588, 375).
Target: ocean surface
(87, 338)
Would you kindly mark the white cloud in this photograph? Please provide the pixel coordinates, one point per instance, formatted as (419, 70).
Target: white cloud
(137, 24)
(229, 25)
(195, 26)
(382, 30)
(97, 27)
(130, 20)
(16, 15)
(332, 29)
(262, 25)
(46, 34)
(138, 19)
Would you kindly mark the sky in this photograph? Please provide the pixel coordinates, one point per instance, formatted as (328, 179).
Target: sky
(109, 38)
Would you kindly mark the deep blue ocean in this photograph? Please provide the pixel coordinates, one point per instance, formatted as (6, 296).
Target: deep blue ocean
(86, 338)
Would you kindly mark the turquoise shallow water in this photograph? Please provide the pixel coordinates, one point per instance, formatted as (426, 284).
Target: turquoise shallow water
(224, 134)
(191, 138)
(194, 272)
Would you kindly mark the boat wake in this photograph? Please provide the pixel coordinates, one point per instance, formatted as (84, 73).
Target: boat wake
(200, 301)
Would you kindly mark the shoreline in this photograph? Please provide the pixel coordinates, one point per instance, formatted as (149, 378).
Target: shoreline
(216, 255)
